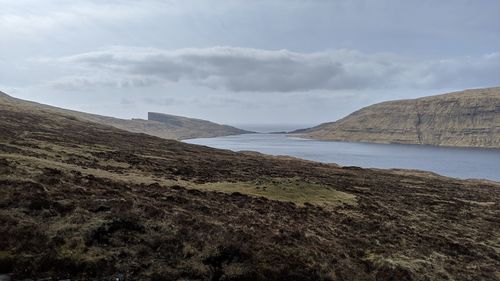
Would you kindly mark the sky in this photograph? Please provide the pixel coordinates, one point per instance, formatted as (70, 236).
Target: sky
(244, 62)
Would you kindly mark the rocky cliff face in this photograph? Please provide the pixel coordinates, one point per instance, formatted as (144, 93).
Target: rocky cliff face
(469, 118)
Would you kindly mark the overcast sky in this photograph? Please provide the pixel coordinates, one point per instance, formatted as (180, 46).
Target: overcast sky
(234, 62)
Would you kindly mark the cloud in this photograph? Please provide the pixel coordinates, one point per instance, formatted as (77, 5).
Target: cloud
(29, 17)
(256, 70)
(91, 82)
(162, 101)
(125, 102)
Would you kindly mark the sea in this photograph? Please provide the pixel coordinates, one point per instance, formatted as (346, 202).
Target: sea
(464, 163)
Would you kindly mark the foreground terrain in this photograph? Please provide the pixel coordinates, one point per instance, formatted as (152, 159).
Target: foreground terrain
(84, 201)
(469, 118)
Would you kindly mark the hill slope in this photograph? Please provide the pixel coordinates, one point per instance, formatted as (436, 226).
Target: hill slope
(179, 128)
(194, 128)
(469, 118)
(84, 201)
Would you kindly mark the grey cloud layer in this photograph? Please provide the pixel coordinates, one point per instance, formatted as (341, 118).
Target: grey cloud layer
(94, 81)
(256, 70)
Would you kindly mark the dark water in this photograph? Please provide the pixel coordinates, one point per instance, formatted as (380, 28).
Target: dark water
(455, 162)
(272, 128)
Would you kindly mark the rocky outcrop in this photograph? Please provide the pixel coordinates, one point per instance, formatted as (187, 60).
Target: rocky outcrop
(177, 127)
(469, 118)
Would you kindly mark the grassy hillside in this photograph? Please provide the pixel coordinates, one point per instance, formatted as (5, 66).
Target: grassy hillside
(469, 118)
(84, 201)
(194, 128)
(178, 128)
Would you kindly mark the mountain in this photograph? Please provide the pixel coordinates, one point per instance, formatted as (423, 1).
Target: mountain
(469, 118)
(85, 201)
(176, 128)
(194, 128)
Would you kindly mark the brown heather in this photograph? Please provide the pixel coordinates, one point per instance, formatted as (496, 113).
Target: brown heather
(84, 201)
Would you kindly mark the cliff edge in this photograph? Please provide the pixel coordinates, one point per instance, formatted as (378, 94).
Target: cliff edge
(469, 118)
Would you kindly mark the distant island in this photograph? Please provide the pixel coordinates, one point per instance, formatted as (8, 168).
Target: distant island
(469, 118)
(159, 125)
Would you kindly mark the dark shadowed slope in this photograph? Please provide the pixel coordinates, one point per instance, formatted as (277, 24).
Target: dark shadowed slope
(179, 128)
(469, 118)
(84, 201)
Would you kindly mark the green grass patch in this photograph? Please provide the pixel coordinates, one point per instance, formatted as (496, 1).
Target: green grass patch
(290, 190)
(32, 166)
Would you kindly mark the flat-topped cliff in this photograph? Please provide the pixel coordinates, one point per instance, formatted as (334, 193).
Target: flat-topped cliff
(469, 118)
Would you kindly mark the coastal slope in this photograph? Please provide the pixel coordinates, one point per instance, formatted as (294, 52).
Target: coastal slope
(178, 127)
(194, 128)
(84, 201)
(469, 118)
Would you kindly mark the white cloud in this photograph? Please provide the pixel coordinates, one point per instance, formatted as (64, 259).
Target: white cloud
(91, 82)
(256, 70)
